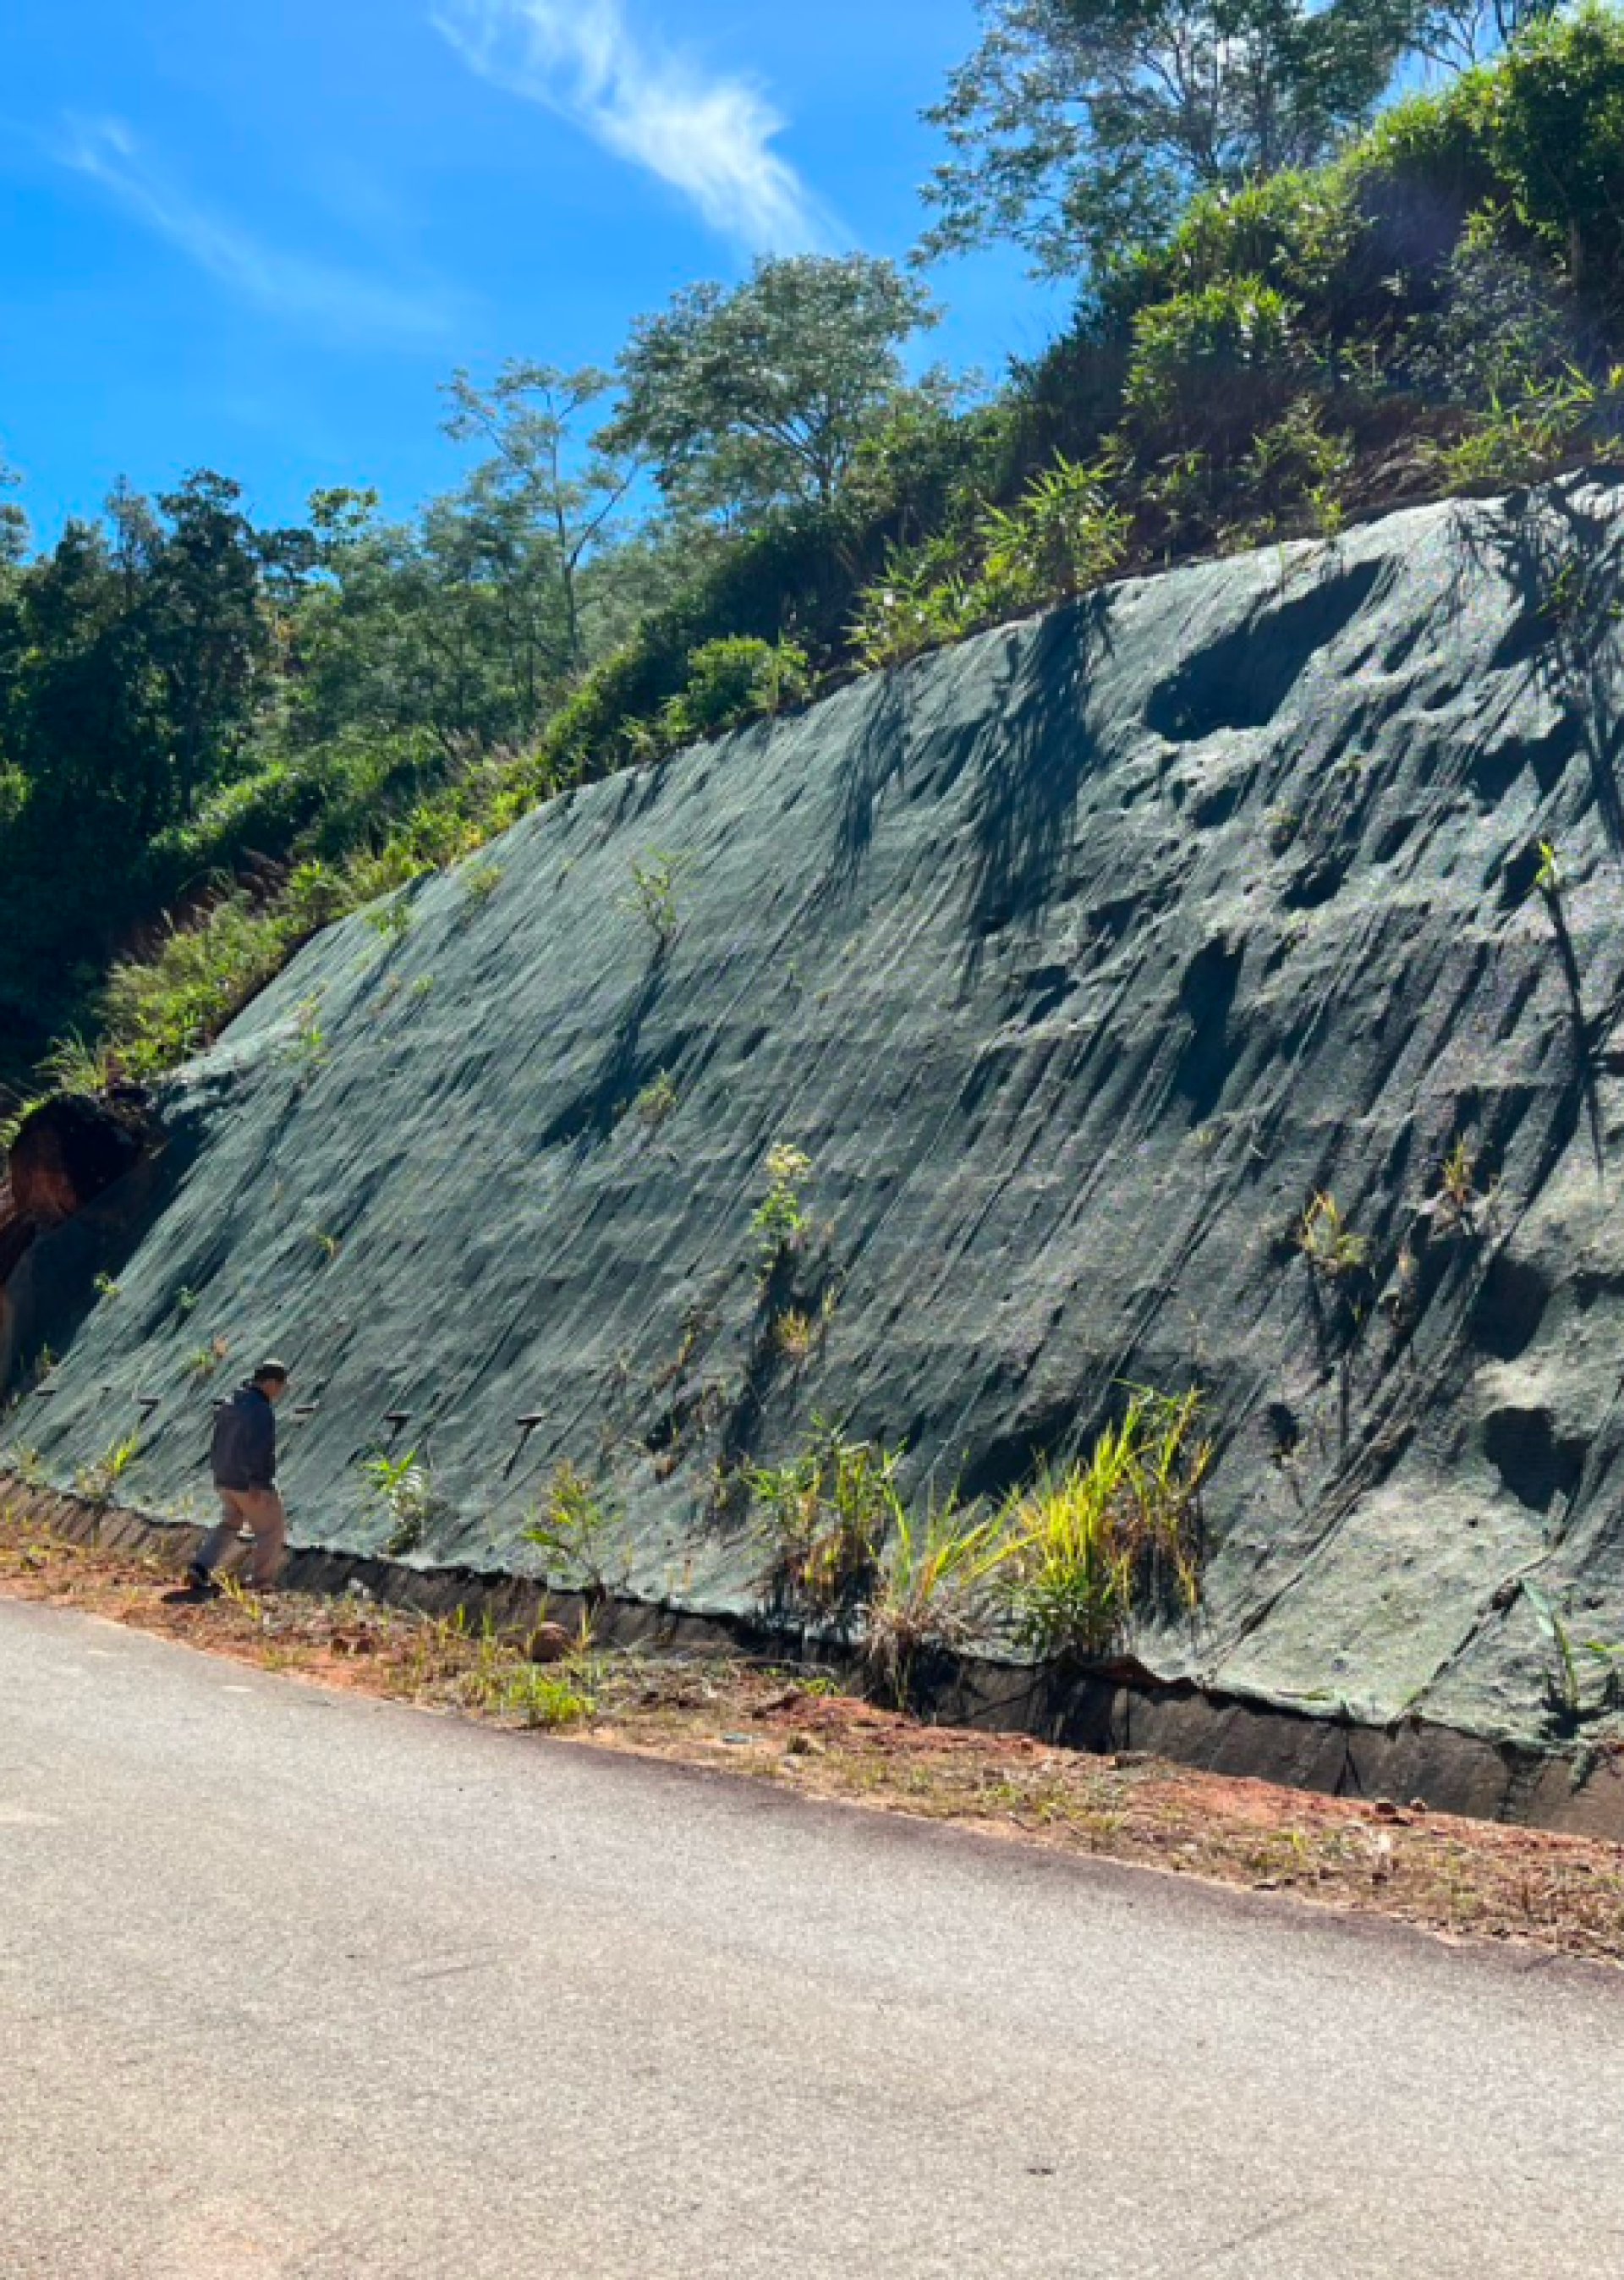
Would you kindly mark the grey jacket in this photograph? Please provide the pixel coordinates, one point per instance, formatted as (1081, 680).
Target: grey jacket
(244, 1452)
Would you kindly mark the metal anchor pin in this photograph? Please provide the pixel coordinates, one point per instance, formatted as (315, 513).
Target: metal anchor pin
(526, 1426)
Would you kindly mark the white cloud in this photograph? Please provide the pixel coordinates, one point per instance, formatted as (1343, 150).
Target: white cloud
(711, 138)
(289, 284)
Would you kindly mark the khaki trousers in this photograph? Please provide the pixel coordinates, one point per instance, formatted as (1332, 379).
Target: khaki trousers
(260, 1510)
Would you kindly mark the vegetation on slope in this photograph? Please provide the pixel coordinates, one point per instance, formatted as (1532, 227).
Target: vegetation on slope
(215, 737)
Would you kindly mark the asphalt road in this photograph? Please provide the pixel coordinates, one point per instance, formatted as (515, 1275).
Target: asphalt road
(292, 1984)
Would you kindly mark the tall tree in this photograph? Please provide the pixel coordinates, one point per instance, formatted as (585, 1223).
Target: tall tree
(13, 520)
(760, 396)
(545, 500)
(210, 632)
(1457, 33)
(1079, 126)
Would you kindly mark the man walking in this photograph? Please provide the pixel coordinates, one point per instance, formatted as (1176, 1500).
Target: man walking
(244, 1460)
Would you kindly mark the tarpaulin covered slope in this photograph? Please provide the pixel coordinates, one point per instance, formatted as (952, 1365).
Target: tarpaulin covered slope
(1077, 961)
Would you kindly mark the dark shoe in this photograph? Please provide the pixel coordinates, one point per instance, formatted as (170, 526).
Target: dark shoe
(201, 1581)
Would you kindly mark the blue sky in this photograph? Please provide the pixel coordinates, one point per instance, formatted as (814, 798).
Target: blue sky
(256, 237)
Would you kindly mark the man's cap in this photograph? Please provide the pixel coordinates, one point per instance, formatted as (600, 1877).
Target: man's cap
(270, 1369)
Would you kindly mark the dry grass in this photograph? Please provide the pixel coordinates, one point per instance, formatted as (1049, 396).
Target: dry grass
(1448, 1874)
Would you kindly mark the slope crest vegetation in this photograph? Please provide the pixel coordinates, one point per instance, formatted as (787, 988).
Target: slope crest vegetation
(1302, 300)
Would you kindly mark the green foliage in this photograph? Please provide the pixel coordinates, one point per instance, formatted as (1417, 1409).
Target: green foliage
(657, 1103)
(25, 1463)
(480, 882)
(1063, 535)
(1208, 358)
(1533, 435)
(540, 511)
(392, 920)
(782, 1216)
(1556, 114)
(403, 1486)
(921, 601)
(1296, 232)
(934, 1589)
(580, 1534)
(1082, 128)
(761, 394)
(98, 1481)
(1298, 463)
(824, 1517)
(74, 1066)
(162, 1008)
(307, 1050)
(737, 679)
(547, 1698)
(1091, 1544)
(1565, 1674)
(1327, 1241)
(1506, 325)
(653, 897)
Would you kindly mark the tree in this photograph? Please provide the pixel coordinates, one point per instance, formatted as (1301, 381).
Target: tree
(543, 482)
(13, 520)
(759, 396)
(398, 632)
(209, 633)
(1080, 127)
(1458, 34)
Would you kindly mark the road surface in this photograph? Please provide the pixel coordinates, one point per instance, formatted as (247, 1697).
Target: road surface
(295, 1984)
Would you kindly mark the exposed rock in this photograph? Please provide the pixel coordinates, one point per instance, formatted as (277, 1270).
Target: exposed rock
(69, 1151)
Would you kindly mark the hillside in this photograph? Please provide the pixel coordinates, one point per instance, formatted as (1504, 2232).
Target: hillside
(217, 735)
(1077, 962)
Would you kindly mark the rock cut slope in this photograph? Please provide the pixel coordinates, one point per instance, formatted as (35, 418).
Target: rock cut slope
(1077, 962)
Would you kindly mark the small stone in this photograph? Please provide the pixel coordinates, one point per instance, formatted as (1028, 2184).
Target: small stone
(548, 1643)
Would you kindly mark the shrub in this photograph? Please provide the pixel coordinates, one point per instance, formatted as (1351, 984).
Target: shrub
(1546, 427)
(1504, 326)
(920, 601)
(1091, 1544)
(933, 1591)
(544, 1697)
(1556, 113)
(1327, 1241)
(782, 1217)
(1207, 361)
(827, 1513)
(1063, 535)
(1298, 463)
(1424, 167)
(1295, 232)
(403, 1488)
(579, 1535)
(98, 1481)
(160, 1009)
(737, 679)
